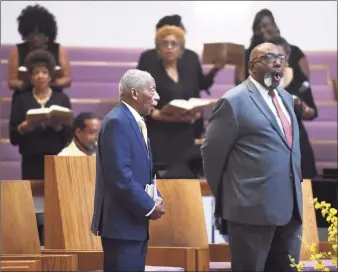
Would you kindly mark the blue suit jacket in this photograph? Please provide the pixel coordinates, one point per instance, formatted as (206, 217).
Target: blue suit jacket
(123, 168)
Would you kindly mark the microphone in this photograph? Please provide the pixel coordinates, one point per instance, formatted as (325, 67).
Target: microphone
(304, 87)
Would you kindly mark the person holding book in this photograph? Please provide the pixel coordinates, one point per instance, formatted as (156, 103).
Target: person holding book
(36, 136)
(171, 134)
(188, 60)
(38, 29)
(125, 196)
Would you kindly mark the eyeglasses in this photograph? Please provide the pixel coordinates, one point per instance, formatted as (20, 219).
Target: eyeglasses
(173, 44)
(270, 57)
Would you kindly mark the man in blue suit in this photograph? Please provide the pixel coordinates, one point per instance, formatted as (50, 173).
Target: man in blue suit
(122, 208)
(251, 160)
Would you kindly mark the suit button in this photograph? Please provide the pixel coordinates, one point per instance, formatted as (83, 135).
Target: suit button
(291, 176)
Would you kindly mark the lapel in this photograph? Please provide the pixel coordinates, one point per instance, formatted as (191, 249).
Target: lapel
(136, 129)
(150, 155)
(264, 108)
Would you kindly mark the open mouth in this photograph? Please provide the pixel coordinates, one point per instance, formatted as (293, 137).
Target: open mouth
(277, 76)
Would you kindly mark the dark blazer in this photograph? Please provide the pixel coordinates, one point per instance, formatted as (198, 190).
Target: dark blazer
(123, 169)
(253, 173)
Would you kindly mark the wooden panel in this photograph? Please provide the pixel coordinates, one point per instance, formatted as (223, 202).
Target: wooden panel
(16, 268)
(18, 222)
(69, 203)
(20, 265)
(219, 252)
(184, 219)
(90, 260)
(205, 188)
(174, 256)
(48, 262)
(310, 230)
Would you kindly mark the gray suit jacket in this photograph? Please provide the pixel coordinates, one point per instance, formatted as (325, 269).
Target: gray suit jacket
(253, 173)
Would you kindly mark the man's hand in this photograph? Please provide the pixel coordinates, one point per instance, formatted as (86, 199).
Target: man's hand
(158, 211)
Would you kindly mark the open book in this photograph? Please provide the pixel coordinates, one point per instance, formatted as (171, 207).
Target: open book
(62, 114)
(227, 53)
(192, 105)
(151, 190)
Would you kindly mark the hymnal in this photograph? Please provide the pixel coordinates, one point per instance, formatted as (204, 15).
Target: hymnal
(193, 105)
(226, 53)
(62, 114)
(151, 189)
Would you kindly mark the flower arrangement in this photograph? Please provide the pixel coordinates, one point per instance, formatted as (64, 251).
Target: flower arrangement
(330, 214)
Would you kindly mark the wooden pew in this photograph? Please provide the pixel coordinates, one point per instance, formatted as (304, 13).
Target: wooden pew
(69, 203)
(20, 265)
(19, 234)
(184, 222)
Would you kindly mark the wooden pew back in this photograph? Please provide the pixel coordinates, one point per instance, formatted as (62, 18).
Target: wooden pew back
(19, 231)
(310, 230)
(69, 194)
(69, 203)
(183, 225)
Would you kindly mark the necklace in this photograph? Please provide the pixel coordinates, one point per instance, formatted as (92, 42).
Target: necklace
(42, 102)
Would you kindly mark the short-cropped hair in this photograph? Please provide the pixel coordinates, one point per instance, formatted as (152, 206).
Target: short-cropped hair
(81, 118)
(134, 79)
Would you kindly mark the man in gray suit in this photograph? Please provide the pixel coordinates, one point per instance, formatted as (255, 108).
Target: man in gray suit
(251, 160)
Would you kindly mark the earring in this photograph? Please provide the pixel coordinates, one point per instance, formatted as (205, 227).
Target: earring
(181, 54)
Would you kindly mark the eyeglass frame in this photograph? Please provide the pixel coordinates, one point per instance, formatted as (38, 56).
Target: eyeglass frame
(166, 44)
(275, 57)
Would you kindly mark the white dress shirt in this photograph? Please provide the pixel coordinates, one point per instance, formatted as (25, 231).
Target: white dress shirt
(73, 150)
(267, 98)
(139, 118)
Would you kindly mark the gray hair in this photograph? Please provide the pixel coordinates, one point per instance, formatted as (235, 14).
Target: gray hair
(134, 79)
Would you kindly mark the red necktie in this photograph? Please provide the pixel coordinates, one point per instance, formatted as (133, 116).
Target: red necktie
(285, 123)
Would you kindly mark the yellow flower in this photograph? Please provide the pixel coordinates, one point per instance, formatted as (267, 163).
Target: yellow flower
(300, 266)
(333, 211)
(330, 214)
(317, 206)
(313, 248)
(319, 256)
(319, 266)
(327, 205)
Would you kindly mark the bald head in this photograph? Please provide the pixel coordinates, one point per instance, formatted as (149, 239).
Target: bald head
(262, 49)
(266, 65)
